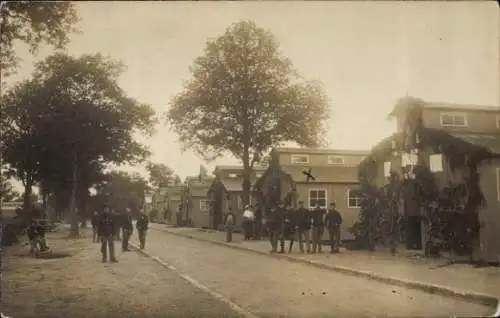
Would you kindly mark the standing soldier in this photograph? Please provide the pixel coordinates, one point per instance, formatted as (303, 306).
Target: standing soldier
(333, 220)
(288, 229)
(303, 226)
(229, 222)
(95, 224)
(272, 227)
(115, 216)
(258, 221)
(106, 231)
(127, 229)
(142, 227)
(318, 228)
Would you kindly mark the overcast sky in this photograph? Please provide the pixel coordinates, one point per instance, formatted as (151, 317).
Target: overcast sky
(367, 54)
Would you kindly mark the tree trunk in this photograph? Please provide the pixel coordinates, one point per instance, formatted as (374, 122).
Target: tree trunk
(74, 229)
(27, 196)
(247, 171)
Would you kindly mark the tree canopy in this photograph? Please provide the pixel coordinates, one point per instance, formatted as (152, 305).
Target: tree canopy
(120, 190)
(160, 175)
(63, 125)
(34, 23)
(245, 97)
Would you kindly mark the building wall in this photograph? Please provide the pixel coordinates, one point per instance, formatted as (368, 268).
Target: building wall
(489, 216)
(334, 192)
(477, 121)
(319, 159)
(200, 218)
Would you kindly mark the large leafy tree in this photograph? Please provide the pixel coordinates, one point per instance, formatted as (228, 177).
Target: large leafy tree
(121, 190)
(160, 175)
(245, 97)
(34, 23)
(69, 120)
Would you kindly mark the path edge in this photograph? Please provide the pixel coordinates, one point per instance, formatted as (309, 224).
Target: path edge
(469, 296)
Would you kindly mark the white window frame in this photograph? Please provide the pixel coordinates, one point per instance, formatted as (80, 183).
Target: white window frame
(498, 184)
(309, 197)
(295, 162)
(431, 167)
(358, 199)
(204, 205)
(453, 114)
(339, 163)
(387, 169)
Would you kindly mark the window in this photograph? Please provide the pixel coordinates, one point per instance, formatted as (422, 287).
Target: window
(453, 120)
(387, 169)
(354, 198)
(408, 159)
(335, 160)
(317, 196)
(300, 159)
(436, 162)
(204, 205)
(233, 175)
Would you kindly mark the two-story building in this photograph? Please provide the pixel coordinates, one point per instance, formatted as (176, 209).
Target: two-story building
(229, 180)
(450, 140)
(335, 179)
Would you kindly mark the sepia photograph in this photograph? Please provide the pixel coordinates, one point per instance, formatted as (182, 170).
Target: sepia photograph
(253, 159)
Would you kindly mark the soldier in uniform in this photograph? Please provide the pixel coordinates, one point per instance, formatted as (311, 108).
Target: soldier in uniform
(303, 227)
(127, 229)
(318, 228)
(229, 222)
(288, 229)
(333, 220)
(106, 232)
(95, 224)
(142, 227)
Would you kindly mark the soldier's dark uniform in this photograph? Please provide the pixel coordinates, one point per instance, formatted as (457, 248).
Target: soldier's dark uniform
(127, 228)
(318, 228)
(333, 220)
(142, 225)
(95, 223)
(303, 227)
(106, 231)
(288, 230)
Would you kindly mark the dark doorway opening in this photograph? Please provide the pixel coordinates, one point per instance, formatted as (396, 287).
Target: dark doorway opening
(414, 233)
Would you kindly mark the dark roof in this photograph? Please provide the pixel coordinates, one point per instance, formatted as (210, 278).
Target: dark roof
(489, 141)
(403, 103)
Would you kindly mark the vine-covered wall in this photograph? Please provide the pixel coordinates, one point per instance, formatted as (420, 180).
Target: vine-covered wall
(448, 206)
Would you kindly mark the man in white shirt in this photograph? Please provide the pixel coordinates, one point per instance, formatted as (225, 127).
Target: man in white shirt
(248, 218)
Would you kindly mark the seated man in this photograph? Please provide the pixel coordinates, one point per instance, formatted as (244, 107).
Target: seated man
(36, 236)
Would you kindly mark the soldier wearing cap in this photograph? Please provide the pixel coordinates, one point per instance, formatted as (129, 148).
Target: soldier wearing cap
(333, 220)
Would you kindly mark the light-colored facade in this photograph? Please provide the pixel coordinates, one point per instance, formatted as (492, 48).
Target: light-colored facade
(476, 126)
(336, 179)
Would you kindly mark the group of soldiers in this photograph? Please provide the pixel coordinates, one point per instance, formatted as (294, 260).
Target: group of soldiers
(106, 227)
(284, 223)
(304, 226)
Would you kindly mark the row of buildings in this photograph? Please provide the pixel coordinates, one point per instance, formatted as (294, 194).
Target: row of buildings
(336, 172)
